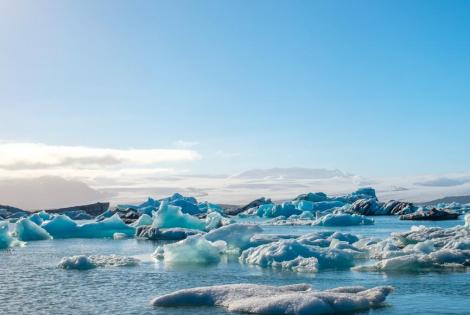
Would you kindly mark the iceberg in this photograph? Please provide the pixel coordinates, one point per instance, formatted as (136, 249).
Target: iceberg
(236, 236)
(297, 299)
(27, 230)
(419, 249)
(143, 220)
(6, 241)
(286, 251)
(82, 262)
(62, 227)
(106, 228)
(169, 216)
(343, 219)
(192, 250)
(36, 218)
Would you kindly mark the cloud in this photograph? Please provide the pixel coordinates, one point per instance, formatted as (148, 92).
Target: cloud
(185, 144)
(444, 182)
(30, 156)
(290, 173)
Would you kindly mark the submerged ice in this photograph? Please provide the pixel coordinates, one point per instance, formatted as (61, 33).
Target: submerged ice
(83, 262)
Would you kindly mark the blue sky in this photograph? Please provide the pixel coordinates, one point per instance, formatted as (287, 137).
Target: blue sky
(376, 88)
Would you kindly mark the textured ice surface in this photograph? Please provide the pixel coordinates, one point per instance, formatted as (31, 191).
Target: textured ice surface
(269, 300)
(236, 236)
(27, 230)
(193, 250)
(106, 228)
(343, 219)
(285, 251)
(215, 220)
(421, 248)
(169, 216)
(6, 240)
(144, 219)
(64, 227)
(88, 262)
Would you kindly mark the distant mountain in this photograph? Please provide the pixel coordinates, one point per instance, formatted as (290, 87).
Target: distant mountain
(290, 173)
(459, 199)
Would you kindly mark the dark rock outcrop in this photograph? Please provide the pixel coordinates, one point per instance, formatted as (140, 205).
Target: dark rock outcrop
(92, 209)
(255, 203)
(394, 207)
(431, 215)
(172, 234)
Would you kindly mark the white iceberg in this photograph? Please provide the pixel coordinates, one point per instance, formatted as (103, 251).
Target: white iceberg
(237, 236)
(286, 251)
(192, 250)
(143, 220)
(270, 300)
(343, 219)
(6, 240)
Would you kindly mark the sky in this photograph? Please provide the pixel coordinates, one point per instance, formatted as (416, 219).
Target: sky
(91, 89)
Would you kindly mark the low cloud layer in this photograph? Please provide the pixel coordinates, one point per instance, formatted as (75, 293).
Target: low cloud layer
(32, 156)
(444, 182)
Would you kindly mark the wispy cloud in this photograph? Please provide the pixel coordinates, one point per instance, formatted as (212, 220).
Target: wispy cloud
(185, 144)
(23, 156)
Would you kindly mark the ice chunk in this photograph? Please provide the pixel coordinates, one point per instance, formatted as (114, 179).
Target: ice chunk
(169, 216)
(88, 262)
(36, 218)
(6, 240)
(343, 219)
(192, 250)
(120, 236)
(299, 264)
(45, 216)
(27, 230)
(106, 228)
(215, 220)
(421, 248)
(62, 227)
(269, 300)
(284, 251)
(143, 220)
(236, 236)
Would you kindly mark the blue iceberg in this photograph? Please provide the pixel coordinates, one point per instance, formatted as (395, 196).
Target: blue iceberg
(27, 230)
(169, 216)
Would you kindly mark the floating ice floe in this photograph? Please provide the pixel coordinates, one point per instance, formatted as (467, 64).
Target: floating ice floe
(82, 262)
(331, 219)
(169, 216)
(297, 299)
(343, 219)
(27, 230)
(6, 241)
(193, 250)
(421, 248)
(330, 250)
(236, 236)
